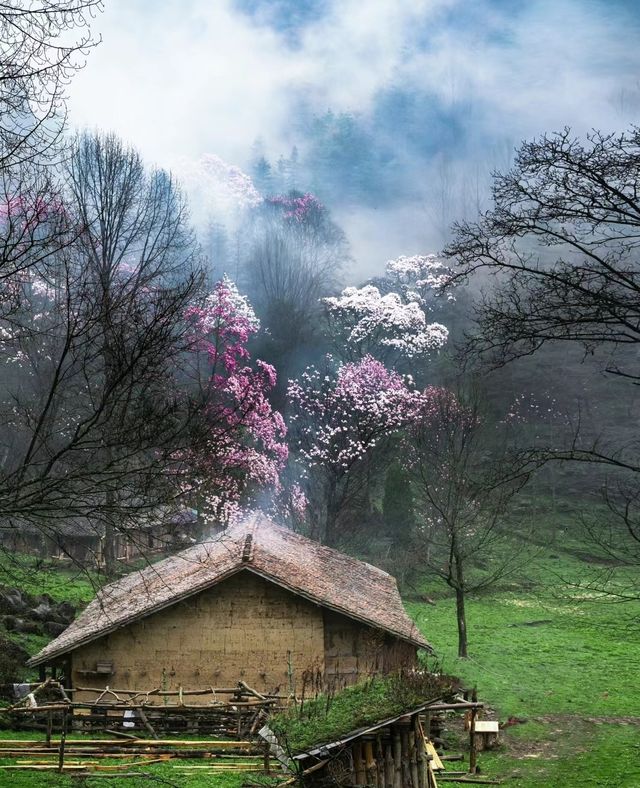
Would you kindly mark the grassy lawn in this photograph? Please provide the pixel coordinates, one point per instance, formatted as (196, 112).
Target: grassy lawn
(565, 663)
(37, 576)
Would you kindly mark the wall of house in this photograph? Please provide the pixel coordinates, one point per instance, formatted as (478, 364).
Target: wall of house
(242, 628)
(353, 651)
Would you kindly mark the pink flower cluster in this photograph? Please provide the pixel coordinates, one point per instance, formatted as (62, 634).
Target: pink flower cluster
(221, 327)
(297, 209)
(341, 417)
(246, 446)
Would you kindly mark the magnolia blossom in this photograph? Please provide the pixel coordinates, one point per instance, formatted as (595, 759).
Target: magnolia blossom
(418, 274)
(366, 317)
(341, 418)
(245, 447)
(217, 189)
(298, 208)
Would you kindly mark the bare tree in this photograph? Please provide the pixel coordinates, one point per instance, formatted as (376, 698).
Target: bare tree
(97, 413)
(463, 482)
(296, 256)
(562, 242)
(563, 239)
(43, 46)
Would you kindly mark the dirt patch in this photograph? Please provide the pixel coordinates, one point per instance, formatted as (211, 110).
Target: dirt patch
(561, 733)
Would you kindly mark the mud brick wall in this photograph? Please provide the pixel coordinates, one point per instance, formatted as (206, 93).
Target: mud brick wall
(241, 628)
(353, 650)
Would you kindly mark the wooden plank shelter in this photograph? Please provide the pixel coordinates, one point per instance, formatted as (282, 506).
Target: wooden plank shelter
(393, 753)
(257, 602)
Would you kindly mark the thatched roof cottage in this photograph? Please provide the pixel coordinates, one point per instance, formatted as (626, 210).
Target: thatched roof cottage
(257, 603)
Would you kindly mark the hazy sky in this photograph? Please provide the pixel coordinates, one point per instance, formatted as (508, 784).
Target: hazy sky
(185, 77)
(189, 76)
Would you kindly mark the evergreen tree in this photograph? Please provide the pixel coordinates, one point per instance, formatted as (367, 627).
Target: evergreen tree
(398, 507)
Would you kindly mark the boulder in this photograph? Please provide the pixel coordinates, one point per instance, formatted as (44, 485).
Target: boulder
(26, 626)
(12, 661)
(66, 612)
(12, 601)
(43, 612)
(54, 628)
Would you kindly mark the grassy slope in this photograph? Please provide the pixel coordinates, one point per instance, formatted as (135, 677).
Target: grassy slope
(36, 577)
(574, 678)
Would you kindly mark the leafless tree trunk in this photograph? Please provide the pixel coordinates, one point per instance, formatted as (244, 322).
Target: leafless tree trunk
(464, 481)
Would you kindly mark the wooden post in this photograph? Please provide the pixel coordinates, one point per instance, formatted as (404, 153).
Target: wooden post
(413, 758)
(397, 759)
(49, 726)
(361, 776)
(63, 737)
(379, 763)
(406, 768)
(267, 764)
(146, 723)
(420, 753)
(369, 762)
(472, 742)
(388, 765)
(427, 726)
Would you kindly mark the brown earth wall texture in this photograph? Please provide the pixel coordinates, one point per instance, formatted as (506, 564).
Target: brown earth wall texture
(239, 629)
(242, 628)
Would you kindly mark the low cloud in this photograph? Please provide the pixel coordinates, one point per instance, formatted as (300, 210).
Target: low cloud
(183, 78)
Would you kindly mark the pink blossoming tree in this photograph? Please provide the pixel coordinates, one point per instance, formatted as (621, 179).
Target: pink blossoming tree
(341, 421)
(241, 449)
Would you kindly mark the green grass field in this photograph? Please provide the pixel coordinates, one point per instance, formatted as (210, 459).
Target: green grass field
(565, 662)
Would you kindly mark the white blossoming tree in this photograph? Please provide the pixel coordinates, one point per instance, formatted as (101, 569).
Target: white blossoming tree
(394, 324)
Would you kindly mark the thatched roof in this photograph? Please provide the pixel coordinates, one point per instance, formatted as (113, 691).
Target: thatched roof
(322, 575)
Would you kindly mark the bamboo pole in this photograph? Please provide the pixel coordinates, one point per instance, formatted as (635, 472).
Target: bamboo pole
(130, 743)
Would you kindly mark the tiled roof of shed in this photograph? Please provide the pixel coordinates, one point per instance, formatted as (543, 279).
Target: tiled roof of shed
(323, 575)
